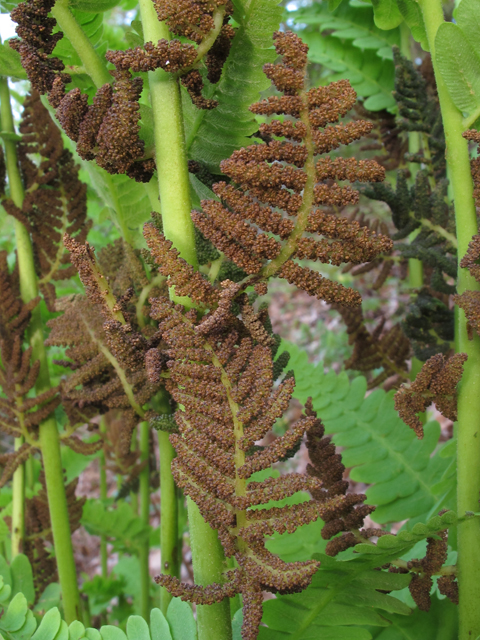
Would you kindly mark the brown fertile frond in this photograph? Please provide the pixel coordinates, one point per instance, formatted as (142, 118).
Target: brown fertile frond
(222, 381)
(181, 275)
(38, 531)
(345, 515)
(469, 300)
(380, 349)
(19, 415)
(423, 570)
(385, 137)
(474, 136)
(284, 174)
(11, 461)
(55, 200)
(107, 362)
(36, 42)
(436, 382)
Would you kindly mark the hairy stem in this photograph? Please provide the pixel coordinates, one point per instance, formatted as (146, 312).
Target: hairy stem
(145, 516)
(103, 497)
(18, 505)
(49, 440)
(93, 64)
(174, 188)
(168, 516)
(468, 448)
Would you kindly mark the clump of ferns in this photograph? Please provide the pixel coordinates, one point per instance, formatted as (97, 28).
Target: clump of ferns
(216, 357)
(107, 130)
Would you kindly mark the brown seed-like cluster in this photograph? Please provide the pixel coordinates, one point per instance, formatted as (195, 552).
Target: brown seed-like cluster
(469, 300)
(284, 174)
(474, 136)
(36, 43)
(222, 380)
(55, 199)
(388, 350)
(326, 465)
(436, 382)
(18, 374)
(422, 582)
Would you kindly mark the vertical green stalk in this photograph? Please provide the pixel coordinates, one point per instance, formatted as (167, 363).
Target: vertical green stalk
(170, 153)
(145, 516)
(18, 505)
(168, 516)
(103, 497)
(49, 440)
(468, 448)
(94, 65)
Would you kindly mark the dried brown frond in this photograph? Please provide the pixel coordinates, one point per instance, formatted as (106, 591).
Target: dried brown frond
(55, 201)
(386, 138)
(285, 174)
(436, 382)
(422, 570)
(223, 382)
(388, 350)
(448, 586)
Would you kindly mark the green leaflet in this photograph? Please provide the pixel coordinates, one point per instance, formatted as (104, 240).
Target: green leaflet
(181, 620)
(413, 17)
(343, 594)
(18, 623)
(371, 77)
(92, 26)
(16, 578)
(467, 17)
(387, 14)
(354, 24)
(382, 450)
(459, 65)
(10, 64)
(94, 6)
(441, 623)
(126, 530)
(127, 200)
(212, 136)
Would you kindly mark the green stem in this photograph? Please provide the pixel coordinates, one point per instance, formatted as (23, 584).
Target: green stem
(103, 497)
(174, 186)
(18, 505)
(49, 440)
(94, 65)
(468, 448)
(213, 621)
(168, 516)
(145, 516)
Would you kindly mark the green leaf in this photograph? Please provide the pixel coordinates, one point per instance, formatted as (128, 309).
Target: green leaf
(459, 65)
(76, 630)
(10, 64)
(5, 572)
(50, 598)
(93, 6)
(440, 622)
(22, 577)
(212, 136)
(387, 14)
(181, 620)
(467, 17)
(16, 614)
(74, 463)
(413, 17)
(109, 632)
(126, 530)
(137, 629)
(159, 627)
(380, 448)
(49, 625)
(333, 4)
(5, 592)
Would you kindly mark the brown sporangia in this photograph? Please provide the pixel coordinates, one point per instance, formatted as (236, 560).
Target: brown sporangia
(55, 199)
(287, 175)
(436, 382)
(388, 350)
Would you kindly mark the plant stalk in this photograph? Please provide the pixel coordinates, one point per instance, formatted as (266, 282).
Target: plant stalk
(103, 497)
(213, 622)
(18, 505)
(468, 447)
(93, 64)
(49, 440)
(145, 516)
(168, 516)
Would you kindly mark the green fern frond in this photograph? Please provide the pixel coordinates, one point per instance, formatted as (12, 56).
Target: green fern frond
(212, 136)
(376, 443)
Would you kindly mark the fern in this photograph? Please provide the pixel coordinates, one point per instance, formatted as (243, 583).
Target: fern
(126, 531)
(212, 136)
(377, 444)
(355, 49)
